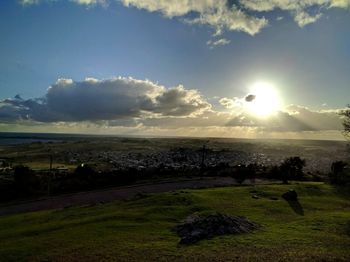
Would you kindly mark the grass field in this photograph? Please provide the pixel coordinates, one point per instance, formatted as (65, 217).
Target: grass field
(140, 229)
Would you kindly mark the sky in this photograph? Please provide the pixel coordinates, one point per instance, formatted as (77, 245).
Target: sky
(175, 67)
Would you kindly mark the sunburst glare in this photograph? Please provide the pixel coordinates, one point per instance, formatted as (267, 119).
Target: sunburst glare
(263, 100)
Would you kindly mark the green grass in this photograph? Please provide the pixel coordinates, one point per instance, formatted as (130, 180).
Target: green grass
(140, 229)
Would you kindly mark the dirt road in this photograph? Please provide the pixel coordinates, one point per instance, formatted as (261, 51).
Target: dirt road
(110, 194)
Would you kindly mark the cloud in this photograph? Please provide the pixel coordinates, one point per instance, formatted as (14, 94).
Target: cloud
(304, 11)
(231, 19)
(225, 15)
(218, 14)
(127, 105)
(250, 98)
(293, 119)
(319, 120)
(303, 18)
(228, 102)
(291, 5)
(29, 2)
(280, 121)
(340, 3)
(219, 42)
(215, 13)
(110, 99)
(91, 2)
(79, 2)
(205, 120)
(246, 16)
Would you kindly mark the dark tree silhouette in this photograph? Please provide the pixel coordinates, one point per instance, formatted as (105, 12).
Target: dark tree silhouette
(292, 169)
(346, 122)
(338, 167)
(25, 179)
(338, 174)
(244, 172)
(84, 171)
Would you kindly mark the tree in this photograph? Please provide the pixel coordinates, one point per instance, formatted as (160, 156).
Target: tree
(244, 172)
(292, 169)
(84, 171)
(25, 179)
(346, 121)
(339, 175)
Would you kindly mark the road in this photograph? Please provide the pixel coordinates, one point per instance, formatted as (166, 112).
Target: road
(110, 194)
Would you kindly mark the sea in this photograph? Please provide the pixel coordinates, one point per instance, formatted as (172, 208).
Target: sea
(11, 138)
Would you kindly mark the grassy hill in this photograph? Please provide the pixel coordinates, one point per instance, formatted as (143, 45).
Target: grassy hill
(140, 229)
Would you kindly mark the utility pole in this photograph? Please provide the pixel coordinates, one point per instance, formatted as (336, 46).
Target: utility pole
(49, 175)
(204, 149)
(203, 156)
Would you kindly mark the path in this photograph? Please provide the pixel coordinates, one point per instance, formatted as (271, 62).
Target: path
(110, 194)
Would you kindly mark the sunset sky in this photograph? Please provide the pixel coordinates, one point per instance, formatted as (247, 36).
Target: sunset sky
(245, 68)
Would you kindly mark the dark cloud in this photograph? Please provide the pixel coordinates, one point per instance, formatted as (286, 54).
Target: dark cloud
(93, 100)
(250, 98)
(179, 102)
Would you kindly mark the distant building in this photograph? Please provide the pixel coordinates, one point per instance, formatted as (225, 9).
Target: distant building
(61, 169)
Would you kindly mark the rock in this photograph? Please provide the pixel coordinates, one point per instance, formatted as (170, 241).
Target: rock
(290, 195)
(196, 228)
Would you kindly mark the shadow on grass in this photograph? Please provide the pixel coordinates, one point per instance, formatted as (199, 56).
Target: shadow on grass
(347, 228)
(297, 208)
(342, 191)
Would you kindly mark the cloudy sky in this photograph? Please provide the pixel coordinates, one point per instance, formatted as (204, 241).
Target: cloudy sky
(245, 68)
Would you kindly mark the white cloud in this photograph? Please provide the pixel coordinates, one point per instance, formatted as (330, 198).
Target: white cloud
(228, 102)
(29, 2)
(303, 18)
(219, 42)
(91, 2)
(215, 13)
(340, 3)
(79, 2)
(224, 15)
(290, 5)
(304, 11)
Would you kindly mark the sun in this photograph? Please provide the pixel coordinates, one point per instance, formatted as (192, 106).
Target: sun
(263, 100)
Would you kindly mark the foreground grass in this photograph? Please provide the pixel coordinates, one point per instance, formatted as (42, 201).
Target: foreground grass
(140, 229)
